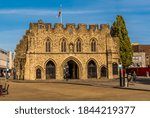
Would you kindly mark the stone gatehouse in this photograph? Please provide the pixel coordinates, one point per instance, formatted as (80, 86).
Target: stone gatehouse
(70, 51)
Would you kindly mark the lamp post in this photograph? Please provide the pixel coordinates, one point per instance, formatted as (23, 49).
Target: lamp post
(120, 75)
(7, 68)
(107, 59)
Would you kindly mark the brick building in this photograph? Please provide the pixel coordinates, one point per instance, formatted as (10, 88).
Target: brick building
(141, 53)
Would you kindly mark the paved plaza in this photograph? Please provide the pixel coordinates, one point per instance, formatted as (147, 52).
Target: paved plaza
(101, 90)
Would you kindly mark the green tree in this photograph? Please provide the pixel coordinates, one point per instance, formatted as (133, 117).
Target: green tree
(119, 30)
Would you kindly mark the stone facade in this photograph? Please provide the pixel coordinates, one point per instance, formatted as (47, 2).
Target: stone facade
(74, 52)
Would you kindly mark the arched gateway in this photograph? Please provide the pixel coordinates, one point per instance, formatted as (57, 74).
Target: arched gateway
(71, 68)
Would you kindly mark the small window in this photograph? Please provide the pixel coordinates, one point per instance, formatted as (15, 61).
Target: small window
(78, 46)
(93, 46)
(48, 46)
(63, 46)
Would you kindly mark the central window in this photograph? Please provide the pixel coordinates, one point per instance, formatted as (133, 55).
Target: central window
(78, 46)
(48, 45)
(63, 46)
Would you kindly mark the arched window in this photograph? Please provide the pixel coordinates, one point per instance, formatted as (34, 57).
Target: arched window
(38, 73)
(92, 70)
(78, 46)
(103, 71)
(63, 46)
(115, 68)
(50, 70)
(48, 45)
(93, 46)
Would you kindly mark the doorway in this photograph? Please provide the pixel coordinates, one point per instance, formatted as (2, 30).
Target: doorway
(71, 70)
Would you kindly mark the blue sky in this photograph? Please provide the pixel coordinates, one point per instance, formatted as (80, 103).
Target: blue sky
(15, 16)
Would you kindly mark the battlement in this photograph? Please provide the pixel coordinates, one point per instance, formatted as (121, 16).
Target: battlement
(48, 26)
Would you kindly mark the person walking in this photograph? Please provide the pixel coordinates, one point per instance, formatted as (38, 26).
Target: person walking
(134, 76)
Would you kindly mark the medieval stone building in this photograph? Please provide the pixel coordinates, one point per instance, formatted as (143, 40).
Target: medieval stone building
(74, 52)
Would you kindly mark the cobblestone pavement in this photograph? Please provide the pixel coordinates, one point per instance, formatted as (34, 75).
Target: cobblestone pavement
(76, 90)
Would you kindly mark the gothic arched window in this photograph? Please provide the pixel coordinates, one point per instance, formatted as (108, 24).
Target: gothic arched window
(38, 73)
(50, 70)
(78, 46)
(93, 46)
(92, 69)
(48, 45)
(63, 46)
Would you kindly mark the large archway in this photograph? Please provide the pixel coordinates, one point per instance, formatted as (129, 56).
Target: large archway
(71, 70)
(50, 70)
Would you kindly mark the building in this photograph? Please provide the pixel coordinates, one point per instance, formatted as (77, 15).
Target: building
(6, 61)
(138, 59)
(74, 52)
(141, 55)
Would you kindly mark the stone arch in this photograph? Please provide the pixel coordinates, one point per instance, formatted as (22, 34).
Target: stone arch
(77, 62)
(90, 60)
(92, 67)
(39, 72)
(103, 71)
(50, 67)
(94, 39)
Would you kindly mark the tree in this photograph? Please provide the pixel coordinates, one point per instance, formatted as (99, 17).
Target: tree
(119, 30)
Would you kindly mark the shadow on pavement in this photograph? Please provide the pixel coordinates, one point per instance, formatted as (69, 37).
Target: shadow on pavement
(143, 80)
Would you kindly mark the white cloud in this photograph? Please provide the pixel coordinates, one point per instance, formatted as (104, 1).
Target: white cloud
(47, 11)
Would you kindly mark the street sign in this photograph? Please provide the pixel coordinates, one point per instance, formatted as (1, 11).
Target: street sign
(120, 66)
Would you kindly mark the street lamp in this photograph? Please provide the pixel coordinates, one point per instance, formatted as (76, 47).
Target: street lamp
(7, 61)
(120, 75)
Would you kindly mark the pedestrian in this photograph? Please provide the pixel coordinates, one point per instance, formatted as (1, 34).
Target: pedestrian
(67, 75)
(134, 76)
(147, 74)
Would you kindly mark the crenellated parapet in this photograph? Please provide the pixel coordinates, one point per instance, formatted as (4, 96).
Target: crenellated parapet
(105, 28)
(70, 26)
(40, 25)
(93, 27)
(58, 25)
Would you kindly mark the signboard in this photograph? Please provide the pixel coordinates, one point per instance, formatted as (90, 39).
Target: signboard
(120, 66)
